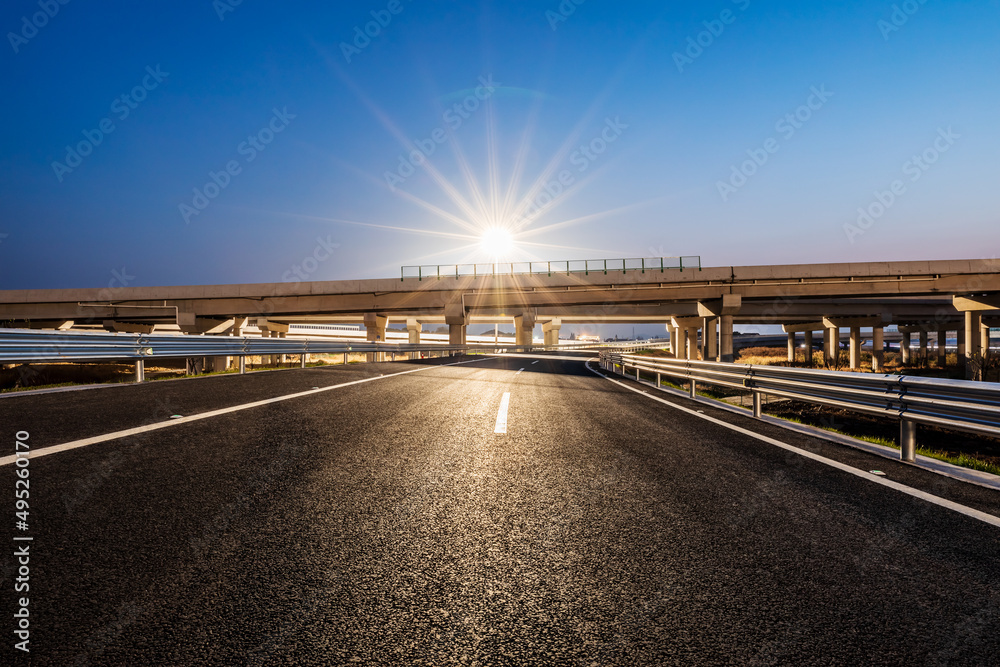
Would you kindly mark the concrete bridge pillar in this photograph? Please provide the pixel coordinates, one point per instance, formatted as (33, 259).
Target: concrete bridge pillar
(855, 348)
(722, 310)
(984, 343)
(726, 339)
(375, 333)
(942, 348)
(807, 340)
(973, 339)
(413, 329)
(681, 347)
(960, 338)
(457, 320)
(791, 346)
(831, 345)
(710, 348)
(923, 347)
(524, 325)
(550, 330)
(878, 343)
(904, 348)
(692, 340)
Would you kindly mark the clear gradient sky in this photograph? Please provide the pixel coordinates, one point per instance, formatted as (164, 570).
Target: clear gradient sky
(649, 111)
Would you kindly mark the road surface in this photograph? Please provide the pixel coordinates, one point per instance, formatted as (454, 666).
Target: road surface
(389, 522)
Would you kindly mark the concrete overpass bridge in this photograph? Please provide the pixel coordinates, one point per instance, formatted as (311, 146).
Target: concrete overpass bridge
(698, 306)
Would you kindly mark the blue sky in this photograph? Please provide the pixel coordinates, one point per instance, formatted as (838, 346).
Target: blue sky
(678, 135)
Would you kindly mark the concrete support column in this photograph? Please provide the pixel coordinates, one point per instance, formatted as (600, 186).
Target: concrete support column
(807, 337)
(973, 338)
(791, 346)
(831, 345)
(413, 329)
(984, 343)
(942, 348)
(375, 333)
(726, 339)
(904, 348)
(703, 343)
(692, 347)
(960, 338)
(524, 326)
(550, 330)
(710, 332)
(923, 348)
(878, 343)
(456, 334)
(282, 358)
(682, 335)
(237, 331)
(855, 348)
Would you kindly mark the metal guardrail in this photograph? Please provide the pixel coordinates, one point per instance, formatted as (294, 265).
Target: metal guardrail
(33, 346)
(951, 404)
(585, 266)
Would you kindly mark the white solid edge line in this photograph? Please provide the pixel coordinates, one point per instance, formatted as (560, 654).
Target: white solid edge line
(501, 426)
(909, 490)
(75, 444)
(535, 362)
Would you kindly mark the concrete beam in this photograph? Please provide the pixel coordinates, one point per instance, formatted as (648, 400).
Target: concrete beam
(849, 322)
(687, 322)
(729, 304)
(809, 326)
(190, 323)
(265, 324)
(128, 327)
(967, 303)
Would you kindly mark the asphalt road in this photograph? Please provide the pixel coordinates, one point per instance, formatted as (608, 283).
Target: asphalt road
(387, 523)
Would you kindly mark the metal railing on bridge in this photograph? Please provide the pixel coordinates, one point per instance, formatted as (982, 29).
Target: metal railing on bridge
(951, 404)
(584, 266)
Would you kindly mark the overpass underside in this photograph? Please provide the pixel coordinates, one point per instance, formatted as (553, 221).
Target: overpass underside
(699, 307)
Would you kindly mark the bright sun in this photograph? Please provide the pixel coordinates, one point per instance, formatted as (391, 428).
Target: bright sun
(498, 243)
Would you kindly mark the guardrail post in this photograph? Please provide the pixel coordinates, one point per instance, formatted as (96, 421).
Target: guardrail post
(302, 360)
(907, 440)
(140, 370)
(659, 380)
(636, 373)
(756, 404)
(693, 389)
(243, 364)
